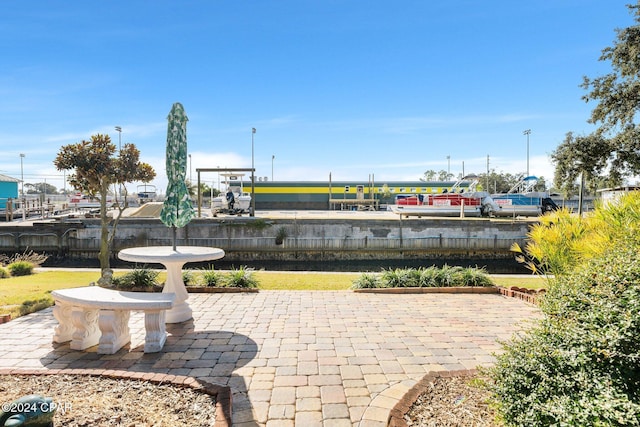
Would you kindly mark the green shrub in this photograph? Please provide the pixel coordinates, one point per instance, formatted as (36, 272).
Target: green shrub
(34, 258)
(187, 277)
(31, 306)
(20, 268)
(424, 278)
(429, 277)
(563, 241)
(4, 273)
(281, 235)
(139, 278)
(212, 278)
(367, 281)
(580, 364)
(400, 278)
(450, 276)
(475, 277)
(241, 278)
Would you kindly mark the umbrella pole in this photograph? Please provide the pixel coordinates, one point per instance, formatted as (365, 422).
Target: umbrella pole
(174, 237)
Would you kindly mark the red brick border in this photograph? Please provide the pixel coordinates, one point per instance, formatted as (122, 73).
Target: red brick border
(222, 394)
(529, 295)
(434, 290)
(396, 416)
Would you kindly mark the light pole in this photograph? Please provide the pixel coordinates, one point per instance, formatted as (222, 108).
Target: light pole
(527, 132)
(190, 179)
(119, 130)
(448, 166)
(253, 171)
(273, 157)
(21, 175)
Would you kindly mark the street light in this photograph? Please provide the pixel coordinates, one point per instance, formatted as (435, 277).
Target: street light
(190, 179)
(448, 166)
(119, 130)
(21, 175)
(253, 170)
(273, 157)
(527, 132)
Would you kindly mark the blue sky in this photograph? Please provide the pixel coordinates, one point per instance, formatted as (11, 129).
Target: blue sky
(351, 87)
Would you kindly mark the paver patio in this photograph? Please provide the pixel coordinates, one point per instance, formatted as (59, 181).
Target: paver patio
(305, 358)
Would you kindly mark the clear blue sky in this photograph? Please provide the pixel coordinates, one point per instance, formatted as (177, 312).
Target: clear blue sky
(351, 87)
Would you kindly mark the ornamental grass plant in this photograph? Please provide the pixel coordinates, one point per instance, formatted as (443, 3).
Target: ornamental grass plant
(138, 279)
(579, 365)
(429, 277)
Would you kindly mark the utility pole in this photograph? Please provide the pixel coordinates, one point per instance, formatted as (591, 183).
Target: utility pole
(527, 133)
(119, 130)
(253, 178)
(487, 172)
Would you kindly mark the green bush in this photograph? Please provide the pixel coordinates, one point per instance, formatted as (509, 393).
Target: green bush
(31, 306)
(20, 268)
(580, 364)
(367, 281)
(445, 276)
(562, 241)
(241, 278)
(429, 277)
(400, 278)
(139, 278)
(475, 277)
(212, 278)
(4, 273)
(449, 276)
(34, 258)
(187, 277)
(281, 235)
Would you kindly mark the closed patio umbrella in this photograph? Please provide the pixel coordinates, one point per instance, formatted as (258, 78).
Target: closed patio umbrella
(177, 209)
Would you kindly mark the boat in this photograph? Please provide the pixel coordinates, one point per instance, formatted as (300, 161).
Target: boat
(146, 193)
(455, 201)
(234, 200)
(524, 200)
(83, 201)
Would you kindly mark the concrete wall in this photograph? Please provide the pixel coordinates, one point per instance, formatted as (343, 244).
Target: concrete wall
(246, 238)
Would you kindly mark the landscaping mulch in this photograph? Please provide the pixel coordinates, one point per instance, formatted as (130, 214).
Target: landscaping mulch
(84, 400)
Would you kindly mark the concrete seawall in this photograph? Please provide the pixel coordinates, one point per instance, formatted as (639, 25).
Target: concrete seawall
(286, 237)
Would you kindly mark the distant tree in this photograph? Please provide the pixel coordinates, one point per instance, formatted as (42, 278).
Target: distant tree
(40, 188)
(385, 194)
(429, 175)
(618, 103)
(432, 175)
(495, 182)
(95, 170)
(205, 190)
(588, 155)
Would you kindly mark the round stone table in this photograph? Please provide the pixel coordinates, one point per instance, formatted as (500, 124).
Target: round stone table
(173, 261)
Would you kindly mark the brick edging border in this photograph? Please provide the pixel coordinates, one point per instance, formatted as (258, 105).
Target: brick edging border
(396, 416)
(528, 295)
(222, 394)
(434, 290)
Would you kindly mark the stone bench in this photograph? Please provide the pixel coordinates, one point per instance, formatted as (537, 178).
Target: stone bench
(93, 315)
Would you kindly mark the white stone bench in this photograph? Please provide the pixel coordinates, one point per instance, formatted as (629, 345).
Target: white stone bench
(93, 315)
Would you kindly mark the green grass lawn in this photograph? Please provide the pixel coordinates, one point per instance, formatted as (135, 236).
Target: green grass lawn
(25, 294)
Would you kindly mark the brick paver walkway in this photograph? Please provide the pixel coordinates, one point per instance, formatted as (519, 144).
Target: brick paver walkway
(304, 358)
